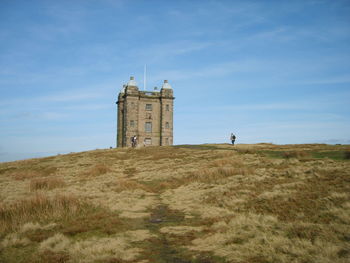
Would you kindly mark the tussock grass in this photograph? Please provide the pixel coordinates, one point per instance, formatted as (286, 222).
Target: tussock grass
(36, 208)
(246, 150)
(256, 238)
(234, 162)
(30, 171)
(125, 185)
(309, 199)
(204, 203)
(214, 175)
(47, 183)
(97, 169)
(29, 174)
(116, 248)
(22, 175)
(130, 171)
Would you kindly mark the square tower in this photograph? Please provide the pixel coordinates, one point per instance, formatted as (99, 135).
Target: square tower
(148, 115)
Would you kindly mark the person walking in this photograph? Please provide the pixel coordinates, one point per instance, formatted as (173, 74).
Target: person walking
(133, 141)
(233, 138)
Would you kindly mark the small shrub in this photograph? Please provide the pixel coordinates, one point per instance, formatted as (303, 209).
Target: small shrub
(46, 183)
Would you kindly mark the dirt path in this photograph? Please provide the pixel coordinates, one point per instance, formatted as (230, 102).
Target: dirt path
(168, 249)
(162, 250)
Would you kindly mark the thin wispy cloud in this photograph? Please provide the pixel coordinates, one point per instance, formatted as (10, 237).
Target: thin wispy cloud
(270, 70)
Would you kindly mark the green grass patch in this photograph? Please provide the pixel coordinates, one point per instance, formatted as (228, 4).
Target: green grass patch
(335, 155)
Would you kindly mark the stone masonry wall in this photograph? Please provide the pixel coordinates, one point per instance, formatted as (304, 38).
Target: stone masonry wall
(133, 114)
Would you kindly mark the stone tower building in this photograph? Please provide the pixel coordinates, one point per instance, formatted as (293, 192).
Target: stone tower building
(146, 114)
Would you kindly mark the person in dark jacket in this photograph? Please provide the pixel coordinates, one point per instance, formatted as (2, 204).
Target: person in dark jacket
(233, 138)
(133, 141)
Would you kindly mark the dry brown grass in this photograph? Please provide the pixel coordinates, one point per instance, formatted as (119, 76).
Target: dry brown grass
(130, 171)
(258, 238)
(203, 203)
(38, 207)
(97, 169)
(215, 175)
(309, 199)
(23, 174)
(47, 183)
(126, 184)
(226, 160)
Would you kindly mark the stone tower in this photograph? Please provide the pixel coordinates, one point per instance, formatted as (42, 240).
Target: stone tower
(146, 114)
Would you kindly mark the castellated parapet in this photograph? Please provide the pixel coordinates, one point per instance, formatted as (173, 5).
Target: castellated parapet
(148, 115)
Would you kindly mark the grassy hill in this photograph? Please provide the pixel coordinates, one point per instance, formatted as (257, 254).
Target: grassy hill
(192, 203)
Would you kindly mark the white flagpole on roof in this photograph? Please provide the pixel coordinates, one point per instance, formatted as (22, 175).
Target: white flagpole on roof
(144, 77)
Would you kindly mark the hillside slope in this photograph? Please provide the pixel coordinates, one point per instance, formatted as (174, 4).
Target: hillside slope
(193, 203)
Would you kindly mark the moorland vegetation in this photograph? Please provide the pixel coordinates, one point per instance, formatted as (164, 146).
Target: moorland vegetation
(188, 203)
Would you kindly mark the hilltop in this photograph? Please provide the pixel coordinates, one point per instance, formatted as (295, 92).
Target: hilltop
(189, 203)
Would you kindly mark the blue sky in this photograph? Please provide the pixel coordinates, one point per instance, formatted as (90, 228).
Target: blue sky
(269, 71)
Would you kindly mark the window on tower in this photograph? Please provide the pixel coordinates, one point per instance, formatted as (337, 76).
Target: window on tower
(167, 107)
(148, 127)
(132, 123)
(167, 126)
(148, 106)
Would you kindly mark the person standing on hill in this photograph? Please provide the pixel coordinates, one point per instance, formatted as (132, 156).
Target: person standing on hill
(233, 138)
(133, 141)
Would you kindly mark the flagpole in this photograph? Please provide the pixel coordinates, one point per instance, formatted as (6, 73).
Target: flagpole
(144, 78)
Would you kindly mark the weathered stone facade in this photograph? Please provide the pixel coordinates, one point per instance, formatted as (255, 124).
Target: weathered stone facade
(146, 114)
